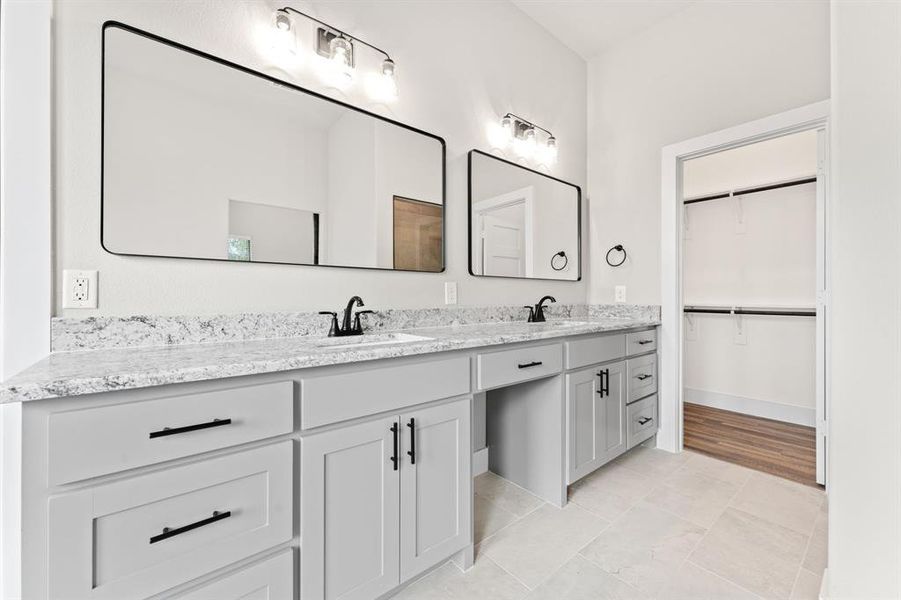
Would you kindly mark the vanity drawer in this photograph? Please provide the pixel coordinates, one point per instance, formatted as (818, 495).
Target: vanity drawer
(496, 369)
(642, 375)
(348, 395)
(594, 350)
(640, 342)
(272, 579)
(141, 536)
(642, 419)
(95, 441)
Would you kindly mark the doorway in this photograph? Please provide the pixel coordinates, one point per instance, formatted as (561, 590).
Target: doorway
(736, 317)
(504, 226)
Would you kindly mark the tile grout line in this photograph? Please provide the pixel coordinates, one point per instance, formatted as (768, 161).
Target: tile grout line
(718, 576)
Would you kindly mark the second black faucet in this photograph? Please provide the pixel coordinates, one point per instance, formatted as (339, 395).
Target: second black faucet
(347, 326)
(536, 313)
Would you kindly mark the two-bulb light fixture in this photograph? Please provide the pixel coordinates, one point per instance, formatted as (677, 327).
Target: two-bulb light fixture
(336, 55)
(523, 137)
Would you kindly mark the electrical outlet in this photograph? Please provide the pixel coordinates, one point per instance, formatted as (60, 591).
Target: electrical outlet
(79, 289)
(620, 293)
(450, 292)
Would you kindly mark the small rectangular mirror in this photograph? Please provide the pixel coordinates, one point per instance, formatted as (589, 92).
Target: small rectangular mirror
(522, 223)
(206, 159)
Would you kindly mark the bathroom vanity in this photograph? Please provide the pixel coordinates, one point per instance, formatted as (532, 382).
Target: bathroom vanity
(302, 468)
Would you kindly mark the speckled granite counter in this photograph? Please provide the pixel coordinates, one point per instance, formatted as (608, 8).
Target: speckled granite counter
(75, 373)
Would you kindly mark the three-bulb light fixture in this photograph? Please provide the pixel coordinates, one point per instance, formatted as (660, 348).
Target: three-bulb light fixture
(522, 136)
(337, 58)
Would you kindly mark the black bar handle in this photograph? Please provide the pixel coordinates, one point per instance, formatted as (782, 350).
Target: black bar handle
(643, 376)
(531, 364)
(605, 383)
(412, 451)
(394, 430)
(643, 342)
(176, 430)
(643, 420)
(168, 532)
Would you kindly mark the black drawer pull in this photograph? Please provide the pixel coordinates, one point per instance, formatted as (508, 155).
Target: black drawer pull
(176, 430)
(412, 451)
(643, 420)
(605, 382)
(643, 376)
(168, 533)
(643, 342)
(531, 364)
(394, 430)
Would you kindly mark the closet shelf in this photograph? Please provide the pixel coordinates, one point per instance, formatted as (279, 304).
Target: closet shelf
(752, 190)
(745, 310)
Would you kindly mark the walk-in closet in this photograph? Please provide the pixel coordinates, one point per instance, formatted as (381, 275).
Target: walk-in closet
(754, 367)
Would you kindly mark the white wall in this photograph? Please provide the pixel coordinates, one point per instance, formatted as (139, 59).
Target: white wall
(451, 84)
(714, 65)
(864, 410)
(25, 186)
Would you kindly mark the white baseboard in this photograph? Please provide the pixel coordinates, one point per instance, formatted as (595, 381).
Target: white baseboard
(751, 406)
(480, 462)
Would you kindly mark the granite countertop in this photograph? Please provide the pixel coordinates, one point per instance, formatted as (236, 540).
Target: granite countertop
(65, 374)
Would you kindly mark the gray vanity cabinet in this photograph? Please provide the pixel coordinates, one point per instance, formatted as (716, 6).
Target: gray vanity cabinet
(436, 487)
(596, 417)
(349, 517)
(366, 526)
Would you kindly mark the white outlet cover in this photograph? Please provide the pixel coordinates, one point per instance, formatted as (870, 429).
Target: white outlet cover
(450, 292)
(620, 293)
(71, 280)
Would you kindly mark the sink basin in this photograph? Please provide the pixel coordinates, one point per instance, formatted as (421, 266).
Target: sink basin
(563, 323)
(367, 340)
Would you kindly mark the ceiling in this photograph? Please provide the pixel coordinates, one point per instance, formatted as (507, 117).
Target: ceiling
(591, 26)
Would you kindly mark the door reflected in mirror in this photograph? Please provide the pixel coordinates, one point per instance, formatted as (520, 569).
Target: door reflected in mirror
(522, 223)
(206, 159)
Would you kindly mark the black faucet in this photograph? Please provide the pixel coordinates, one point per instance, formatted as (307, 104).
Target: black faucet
(347, 326)
(536, 313)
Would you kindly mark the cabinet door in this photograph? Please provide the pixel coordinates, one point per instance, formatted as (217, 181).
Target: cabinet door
(436, 485)
(596, 418)
(349, 511)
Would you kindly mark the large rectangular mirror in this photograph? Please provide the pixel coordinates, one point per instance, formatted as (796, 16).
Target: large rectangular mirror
(206, 159)
(522, 223)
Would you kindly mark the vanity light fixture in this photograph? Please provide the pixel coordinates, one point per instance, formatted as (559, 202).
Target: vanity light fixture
(522, 135)
(337, 49)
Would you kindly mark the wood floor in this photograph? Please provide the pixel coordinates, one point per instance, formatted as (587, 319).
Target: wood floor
(782, 449)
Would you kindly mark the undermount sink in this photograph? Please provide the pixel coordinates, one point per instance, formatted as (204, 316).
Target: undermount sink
(365, 341)
(563, 323)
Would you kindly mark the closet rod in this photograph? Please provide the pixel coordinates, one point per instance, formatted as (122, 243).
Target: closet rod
(717, 310)
(752, 190)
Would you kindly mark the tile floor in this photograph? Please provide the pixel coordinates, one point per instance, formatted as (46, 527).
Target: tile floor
(649, 525)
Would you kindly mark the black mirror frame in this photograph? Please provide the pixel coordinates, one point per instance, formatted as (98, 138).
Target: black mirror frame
(469, 217)
(222, 61)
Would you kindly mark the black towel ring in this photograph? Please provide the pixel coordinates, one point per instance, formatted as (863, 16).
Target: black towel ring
(554, 261)
(618, 248)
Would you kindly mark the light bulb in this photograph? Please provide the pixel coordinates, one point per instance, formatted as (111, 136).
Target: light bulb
(337, 70)
(530, 143)
(549, 151)
(507, 128)
(339, 52)
(283, 33)
(383, 86)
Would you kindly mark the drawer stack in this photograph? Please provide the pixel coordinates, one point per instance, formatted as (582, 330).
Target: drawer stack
(641, 411)
(140, 535)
